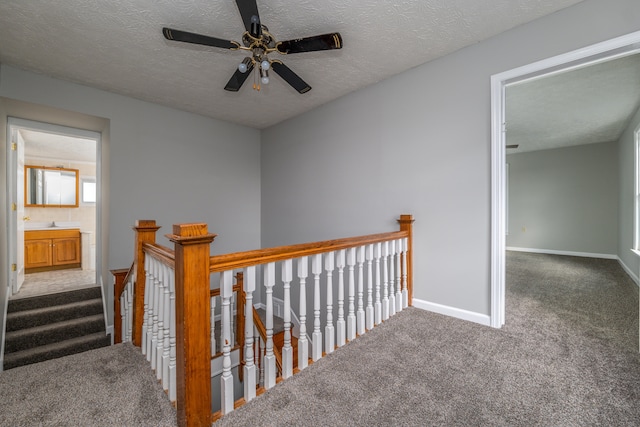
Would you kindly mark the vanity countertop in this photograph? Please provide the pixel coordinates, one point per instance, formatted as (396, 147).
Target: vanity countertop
(53, 225)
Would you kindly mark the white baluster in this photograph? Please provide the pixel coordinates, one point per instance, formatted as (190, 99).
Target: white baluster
(398, 275)
(214, 344)
(360, 318)
(257, 355)
(172, 339)
(316, 337)
(351, 317)
(340, 324)
(160, 342)
(329, 332)
(369, 311)
(269, 358)
(378, 304)
(124, 319)
(405, 290)
(130, 310)
(287, 350)
(232, 329)
(145, 316)
(156, 309)
(392, 294)
(130, 292)
(262, 353)
(226, 381)
(385, 280)
(303, 344)
(167, 320)
(130, 305)
(249, 366)
(153, 314)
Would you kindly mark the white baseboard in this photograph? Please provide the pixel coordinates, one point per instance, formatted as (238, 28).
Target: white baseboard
(458, 313)
(568, 253)
(627, 270)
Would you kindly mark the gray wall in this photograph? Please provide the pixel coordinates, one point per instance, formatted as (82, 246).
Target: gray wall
(417, 143)
(161, 164)
(626, 182)
(565, 199)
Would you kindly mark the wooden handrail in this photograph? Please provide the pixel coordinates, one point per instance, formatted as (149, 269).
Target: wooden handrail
(218, 263)
(161, 253)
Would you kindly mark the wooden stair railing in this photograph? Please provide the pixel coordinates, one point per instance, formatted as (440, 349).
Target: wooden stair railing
(191, 265)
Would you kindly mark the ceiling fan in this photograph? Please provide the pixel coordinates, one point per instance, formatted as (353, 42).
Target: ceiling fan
(259, 43)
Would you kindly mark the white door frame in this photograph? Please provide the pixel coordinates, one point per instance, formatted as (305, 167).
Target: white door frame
(605, 51)
(14, 124)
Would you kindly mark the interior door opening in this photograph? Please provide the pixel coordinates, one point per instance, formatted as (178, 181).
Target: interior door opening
(54, 243)
(615, 48)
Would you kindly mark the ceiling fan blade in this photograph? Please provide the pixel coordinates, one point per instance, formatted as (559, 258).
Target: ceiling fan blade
(184, 36)
(237, 80)
(311, 44)
(290, 77)
(250, 17)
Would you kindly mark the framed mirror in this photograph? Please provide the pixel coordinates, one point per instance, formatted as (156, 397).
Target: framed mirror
(50, 187)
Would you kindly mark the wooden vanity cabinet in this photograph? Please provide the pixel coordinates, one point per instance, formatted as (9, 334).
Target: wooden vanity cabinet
(51, 250)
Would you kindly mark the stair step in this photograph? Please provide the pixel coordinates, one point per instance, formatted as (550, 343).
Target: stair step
(41, 316)
(24, 339)
(60, 298)
(55, 350)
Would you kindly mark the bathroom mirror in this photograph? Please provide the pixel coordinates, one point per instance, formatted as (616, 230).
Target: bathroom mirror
(50, 187)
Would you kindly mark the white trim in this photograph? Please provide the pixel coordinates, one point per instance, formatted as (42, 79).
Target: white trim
(458, 313)
(567, 253)
(614, 48)
(636, 189)
(627, 270)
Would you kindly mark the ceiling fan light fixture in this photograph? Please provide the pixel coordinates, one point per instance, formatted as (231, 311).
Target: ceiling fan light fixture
(265, 65)
(264, 76)
(244, 65)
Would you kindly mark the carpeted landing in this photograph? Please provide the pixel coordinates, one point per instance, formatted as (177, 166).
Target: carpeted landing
(110, 386)
(567, 356)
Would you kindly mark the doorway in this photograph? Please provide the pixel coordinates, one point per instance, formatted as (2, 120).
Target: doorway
(606, 51)
(60, 237)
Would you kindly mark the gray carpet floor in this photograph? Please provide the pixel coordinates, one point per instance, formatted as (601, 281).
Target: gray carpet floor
(111, 386)
(567, 356)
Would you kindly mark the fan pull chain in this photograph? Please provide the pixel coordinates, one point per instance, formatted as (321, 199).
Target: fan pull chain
(256, 86)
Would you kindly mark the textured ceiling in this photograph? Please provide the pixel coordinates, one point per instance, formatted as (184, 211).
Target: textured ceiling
(584, 106)
(118, 46)
(44, 145)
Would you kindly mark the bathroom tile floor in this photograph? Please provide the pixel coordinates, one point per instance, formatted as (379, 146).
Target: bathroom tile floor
(50, 282)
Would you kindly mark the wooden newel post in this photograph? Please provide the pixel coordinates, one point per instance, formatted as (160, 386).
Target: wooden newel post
(193, 323)
(406, 224)
(145, 233)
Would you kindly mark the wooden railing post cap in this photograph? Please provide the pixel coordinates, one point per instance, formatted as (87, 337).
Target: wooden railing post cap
(406, 219)
(191, 233)
(146, 224)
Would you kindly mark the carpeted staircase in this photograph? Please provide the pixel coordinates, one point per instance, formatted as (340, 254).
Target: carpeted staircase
(51, 326)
